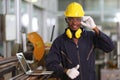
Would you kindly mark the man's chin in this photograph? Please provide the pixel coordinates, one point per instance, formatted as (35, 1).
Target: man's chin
(74, 30)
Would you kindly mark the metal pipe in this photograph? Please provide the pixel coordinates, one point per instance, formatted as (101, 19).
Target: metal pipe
(18, 25)
(8, 60)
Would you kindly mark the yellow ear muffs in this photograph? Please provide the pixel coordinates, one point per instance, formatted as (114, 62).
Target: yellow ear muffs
(77, 33)
(68, 33)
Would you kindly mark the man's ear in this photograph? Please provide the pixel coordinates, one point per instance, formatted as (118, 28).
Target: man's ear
(66, 20)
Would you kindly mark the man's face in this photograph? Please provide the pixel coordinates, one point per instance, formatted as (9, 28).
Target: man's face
(74, 23)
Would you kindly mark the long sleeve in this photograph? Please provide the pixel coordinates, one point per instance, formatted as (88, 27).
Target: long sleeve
(103, 42)
(53, 60)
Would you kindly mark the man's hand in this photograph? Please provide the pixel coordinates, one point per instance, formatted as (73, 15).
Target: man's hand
(73, 72)
(88, 22)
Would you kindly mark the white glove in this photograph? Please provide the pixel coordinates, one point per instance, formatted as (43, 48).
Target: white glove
(88, 22)
(73, 72)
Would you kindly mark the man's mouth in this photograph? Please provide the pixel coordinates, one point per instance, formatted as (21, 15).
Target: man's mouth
(74, 27)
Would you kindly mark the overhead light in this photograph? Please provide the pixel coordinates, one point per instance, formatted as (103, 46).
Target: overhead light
(117, 17)
(25, 20)
(32, 1)
(35, 24)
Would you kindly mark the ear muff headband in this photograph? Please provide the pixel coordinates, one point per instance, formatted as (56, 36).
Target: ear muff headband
(77, 33)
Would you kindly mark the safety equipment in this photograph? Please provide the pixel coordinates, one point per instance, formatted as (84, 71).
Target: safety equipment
(73, 72)
(68, 33)
(77, 33)
(74, 9)
(38, 44)
(88, 22)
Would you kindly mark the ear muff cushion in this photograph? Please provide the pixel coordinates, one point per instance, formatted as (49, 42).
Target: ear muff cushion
(69, 33)
(77, 33)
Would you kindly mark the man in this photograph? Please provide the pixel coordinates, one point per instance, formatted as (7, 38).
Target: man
(72, 56)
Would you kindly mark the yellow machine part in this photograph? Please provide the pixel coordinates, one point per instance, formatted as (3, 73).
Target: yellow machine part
(38, 44)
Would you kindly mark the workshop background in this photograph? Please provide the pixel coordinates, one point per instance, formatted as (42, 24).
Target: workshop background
(18, 18)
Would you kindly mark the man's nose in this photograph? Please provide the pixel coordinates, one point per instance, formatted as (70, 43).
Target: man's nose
(74, 22)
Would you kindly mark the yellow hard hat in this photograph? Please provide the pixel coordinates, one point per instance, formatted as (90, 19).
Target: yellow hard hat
(74, 9)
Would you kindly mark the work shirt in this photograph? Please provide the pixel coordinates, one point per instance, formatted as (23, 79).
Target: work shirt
(65, 54)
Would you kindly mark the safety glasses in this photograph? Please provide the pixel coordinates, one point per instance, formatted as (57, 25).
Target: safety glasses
(71, 19)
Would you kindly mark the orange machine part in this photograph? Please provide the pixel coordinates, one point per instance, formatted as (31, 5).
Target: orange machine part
(38, 44)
